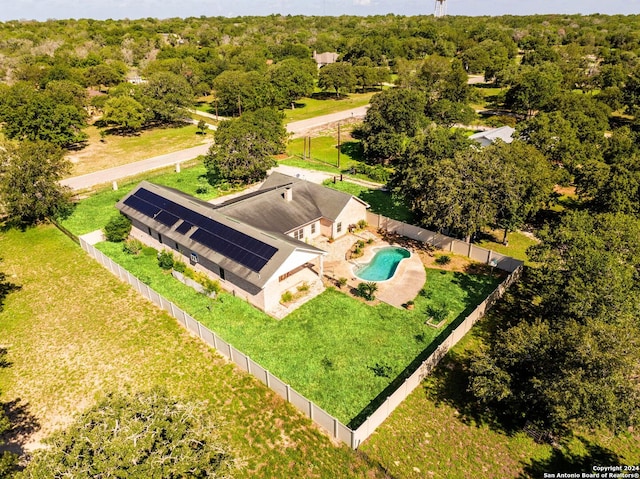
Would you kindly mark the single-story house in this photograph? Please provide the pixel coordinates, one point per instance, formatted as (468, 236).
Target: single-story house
(485, 138)
(256, 245)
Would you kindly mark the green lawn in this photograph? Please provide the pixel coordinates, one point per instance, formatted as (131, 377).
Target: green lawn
(518, 243)
(311, 107)
(335, 350)
(381, 201)
(74, 333)
(93, 212)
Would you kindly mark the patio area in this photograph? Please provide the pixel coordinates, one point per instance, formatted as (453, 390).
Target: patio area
(402, 287)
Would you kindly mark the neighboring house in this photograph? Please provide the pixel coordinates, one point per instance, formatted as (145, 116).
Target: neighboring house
(326, 58)
(255, 244)
(485, 138)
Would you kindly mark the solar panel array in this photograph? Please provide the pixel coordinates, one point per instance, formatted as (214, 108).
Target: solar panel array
(231, 243)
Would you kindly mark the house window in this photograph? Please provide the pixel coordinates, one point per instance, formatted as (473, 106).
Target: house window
(221, 274)
(194, 257)
(339, 227)
(160, 238)
(149, 230)
(298, 234)
(313, 228)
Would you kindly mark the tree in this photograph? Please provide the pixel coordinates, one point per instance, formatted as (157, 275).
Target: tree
(166, 96)
(243, 148)
(394, 116)
(139, 435)
(291, 80)
(525, 183)
(124, 113)
(534, 88)
(51, 115)
(574, 359)
(29, 182)
(338, 77)
(447, 113)
(238, 92)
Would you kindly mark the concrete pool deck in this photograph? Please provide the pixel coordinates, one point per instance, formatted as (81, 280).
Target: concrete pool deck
(405, 285)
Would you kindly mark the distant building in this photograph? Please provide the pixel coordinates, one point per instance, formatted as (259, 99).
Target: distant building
(485, 138)
(136, 80)
(326, 58)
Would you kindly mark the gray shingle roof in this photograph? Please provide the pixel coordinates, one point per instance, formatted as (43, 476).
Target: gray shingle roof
(269, 210)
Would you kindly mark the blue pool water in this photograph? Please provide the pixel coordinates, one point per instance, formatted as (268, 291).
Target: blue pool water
(383, 265)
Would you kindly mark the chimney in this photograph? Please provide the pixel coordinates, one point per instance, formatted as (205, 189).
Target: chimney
(288, 193)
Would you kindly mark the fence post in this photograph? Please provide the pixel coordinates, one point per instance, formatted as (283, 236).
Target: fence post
(310, 410)
(199, 330)
(288, 389)
(335, 428)
(248, 364)
(268, 380)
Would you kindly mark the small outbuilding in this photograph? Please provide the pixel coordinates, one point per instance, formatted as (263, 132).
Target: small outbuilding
(485, 138)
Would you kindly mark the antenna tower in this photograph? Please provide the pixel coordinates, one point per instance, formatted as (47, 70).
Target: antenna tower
(441, 8)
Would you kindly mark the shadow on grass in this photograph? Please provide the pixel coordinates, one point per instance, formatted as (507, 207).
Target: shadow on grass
(352, 149)
(563, 460)
(21, 425)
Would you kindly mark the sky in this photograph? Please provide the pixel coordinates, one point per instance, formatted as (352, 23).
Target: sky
(117, 9)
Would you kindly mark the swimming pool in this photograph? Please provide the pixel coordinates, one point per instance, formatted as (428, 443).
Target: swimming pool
(383, 265)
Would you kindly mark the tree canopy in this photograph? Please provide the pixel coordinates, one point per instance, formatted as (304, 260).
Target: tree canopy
(244, 147)
(29, 176)
(574, 359)
(143, 435)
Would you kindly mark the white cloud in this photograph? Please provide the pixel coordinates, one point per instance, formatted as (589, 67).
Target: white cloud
(362, 3)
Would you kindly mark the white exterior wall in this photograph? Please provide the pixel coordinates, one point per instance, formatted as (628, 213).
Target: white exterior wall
(351, 214)
(308, 235)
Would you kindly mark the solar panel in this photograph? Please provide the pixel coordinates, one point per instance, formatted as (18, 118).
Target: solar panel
(143, 207)
(184, 227)
(223, 239)
(166, 218)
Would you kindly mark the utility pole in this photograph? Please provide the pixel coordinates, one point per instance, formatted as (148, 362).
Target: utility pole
(338, 145)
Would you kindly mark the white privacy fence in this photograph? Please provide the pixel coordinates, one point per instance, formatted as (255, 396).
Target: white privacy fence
(384, 406)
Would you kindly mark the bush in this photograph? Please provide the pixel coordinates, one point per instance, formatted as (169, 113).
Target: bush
(303, 287)
(367, 290)
(362, 224)
(360, 244)
(286, 297)
(209, 285)
(132, 246)
(117, 229)
(370, 241)
(342, 282)
(165, 259)
(179, 266)
(443, 259)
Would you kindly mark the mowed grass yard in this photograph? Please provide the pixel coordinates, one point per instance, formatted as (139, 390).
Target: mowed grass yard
(335, 350)
(118, 150)
(74, 333)
(325, 104)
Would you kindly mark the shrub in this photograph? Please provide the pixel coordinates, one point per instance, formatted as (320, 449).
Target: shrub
(362, 224)
(357, 252)
(286, 297)
(165, 259)
(443, 259)
(370, 241)
(342, 282)
(360, 244)
(132, 246)
(303, 287)
(117, 229)
(367, 290)
(179, 266)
